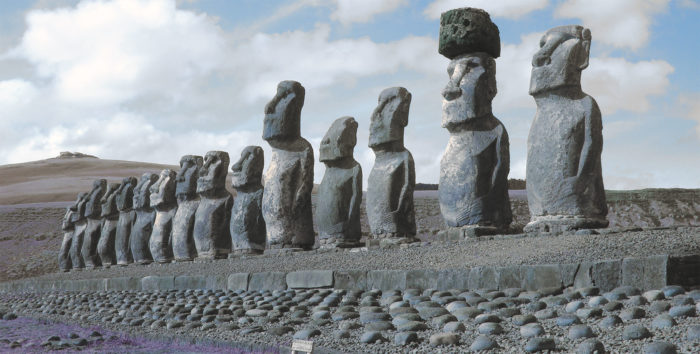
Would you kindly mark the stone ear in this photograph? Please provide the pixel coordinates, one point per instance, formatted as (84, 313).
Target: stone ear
(586, 45)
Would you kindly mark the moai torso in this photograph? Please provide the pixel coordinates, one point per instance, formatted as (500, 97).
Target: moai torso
(164, 202)
(110, 220)
(80, 224)
(127, 216)
(187, 203)
(340, 193)
(564, 177)
(211, 225)
(68, 227)
(289, 178)
(390, 209)
(247, 223)
(93, 212)
(145, 216)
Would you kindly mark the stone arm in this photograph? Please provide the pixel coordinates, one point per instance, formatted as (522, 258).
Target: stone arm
(356, 193)
(500, 171)
(593, 140)
(306, 180)
(408, 185)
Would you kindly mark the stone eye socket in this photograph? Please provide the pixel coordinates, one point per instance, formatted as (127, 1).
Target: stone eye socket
(543, 41)
(467, 22)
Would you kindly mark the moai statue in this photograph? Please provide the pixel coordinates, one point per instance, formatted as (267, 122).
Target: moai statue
(564, 179)
(290, 177)
(110, 220)
(145, 216)
(187, 203)
(80, 224)
(68, 227)
(340, 193)
(93, 213)
(127, 216)
(247, 223)
(391, 182)
(474, 169)
(164, 201)
(212, 219)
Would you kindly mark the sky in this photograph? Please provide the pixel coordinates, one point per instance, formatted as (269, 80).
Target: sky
(152, 80)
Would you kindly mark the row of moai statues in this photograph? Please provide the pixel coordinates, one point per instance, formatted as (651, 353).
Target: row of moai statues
(190, 214)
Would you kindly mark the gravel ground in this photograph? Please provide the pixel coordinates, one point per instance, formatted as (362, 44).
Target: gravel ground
(510, 250)
(623, 320)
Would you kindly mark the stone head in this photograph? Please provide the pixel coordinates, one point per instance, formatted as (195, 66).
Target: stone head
(142, 191)
(108, 202)
(390, 117)
(563, 54)
(471, 88)
(212, 175)
(125, 194)
(186, 178)
(283, 112)
(71, 214)
(79, 207)
(340, 140)
(468, 30)
(93, 208)
(249, 168)
(163, 190)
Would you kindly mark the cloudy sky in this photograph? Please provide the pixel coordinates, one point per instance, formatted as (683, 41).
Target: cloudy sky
(151, 80)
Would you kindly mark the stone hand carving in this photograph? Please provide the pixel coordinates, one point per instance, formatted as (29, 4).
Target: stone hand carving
(80, 224)
(340, 193)
(93, 213)
(286, 204)
(247, 223)
(110, 220)
(564, 179)
(68, 227)
(127, 216)
(165, 204)
(187, 203)
(211, 225)
(145, 216)
(392, 180)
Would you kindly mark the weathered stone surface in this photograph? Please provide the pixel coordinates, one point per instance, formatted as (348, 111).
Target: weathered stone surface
(217, 282)
(536, 277)
(350, 279)
(565, 184)
(248, 233)
(340, 191)
(421, 279)
(212, 220)
(145, 216)
(125, 283)
(238, 281)
(289, 179)
(164, 202)
(307, 279)
(127, 216)
(183, 282)
(187, 203)
(474, 169)
(483, 278)
(68, 227)
(453, 279)
(606, 275)
(93, 212)
(645, 272)
(267, 281)
(110, 220)
(468, 30)
(390, 209)
(152, 282)
(508, 277)
(386, 279)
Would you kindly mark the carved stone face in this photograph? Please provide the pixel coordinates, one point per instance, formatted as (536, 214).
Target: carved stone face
(142, 191)
(93, 207)
(340, 140)
(125, 194)
(188, 175)
(563, 54)
(79, 210)
(212, 175)
(471, 88)
(109, 205)
(249, 168)
(390, 117)
(163, 190)
(283, 112)
(72, 213)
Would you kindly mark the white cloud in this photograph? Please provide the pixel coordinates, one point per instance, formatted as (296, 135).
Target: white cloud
(362, 11)
(16, 92)
(512, 9)
(621, 23)
(690, 103)
(513, 73)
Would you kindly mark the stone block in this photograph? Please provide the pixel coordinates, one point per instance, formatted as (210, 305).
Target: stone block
(684, 270)
(568, 273)
(483, 278)
(124, 283)
(508, 277)
(583, 278)
(184, 282)
(238, 281)
(216, 282)
(309, 279)
(633, 272)
(268, 281)
(540, 276)
(421, 279)
(350, 279)
(453, 279)
(153, 282)
(607, 275)
(386, 279)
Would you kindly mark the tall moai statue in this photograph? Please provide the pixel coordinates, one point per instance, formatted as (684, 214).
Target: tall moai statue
(127, 216)
(212, 219)
(110, 220)
(474, 169)
(164, 201)
(391, 182)
(93, 213)
(340, 193)
(289, 179)
(68, 227)
(564, 178)
(80, 224)
(145, 216)
(187, 203)
(247, 222)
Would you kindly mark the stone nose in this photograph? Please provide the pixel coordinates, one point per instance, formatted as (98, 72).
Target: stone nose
(451, 92)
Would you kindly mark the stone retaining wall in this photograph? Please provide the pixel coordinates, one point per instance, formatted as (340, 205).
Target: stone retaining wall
(645, 273)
